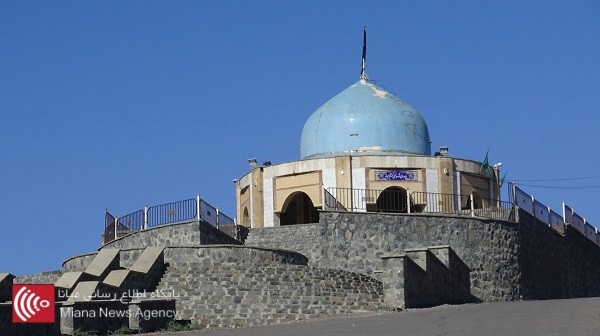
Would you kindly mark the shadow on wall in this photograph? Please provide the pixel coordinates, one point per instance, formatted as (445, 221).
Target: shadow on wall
(244, 232)
(426, 277)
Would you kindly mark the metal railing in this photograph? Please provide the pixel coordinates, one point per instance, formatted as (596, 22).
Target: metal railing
(496, 209)
(402, 201)
(225, 220)
(109, 227)
(168, 213)
(227, 225)
(435, 202)
(173, 212)
(554, 220)
(208, 213)
(134, 221)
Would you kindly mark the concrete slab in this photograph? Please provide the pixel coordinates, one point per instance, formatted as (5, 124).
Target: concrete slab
(6, 281)
(144, 274)
(148, 259)
(70, 279)
(4, 276)
(117, 278)
(84, 291)
(93, 290)
(105, 261)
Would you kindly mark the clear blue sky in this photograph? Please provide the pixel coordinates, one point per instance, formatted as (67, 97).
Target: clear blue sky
(121, 104)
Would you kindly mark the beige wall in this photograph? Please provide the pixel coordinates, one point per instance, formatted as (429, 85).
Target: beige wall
(310, 183)
(445, 166)
(237, 203)
(307, 176)
(343, 174)
(243, 201)
(472, 183)
(258, 205)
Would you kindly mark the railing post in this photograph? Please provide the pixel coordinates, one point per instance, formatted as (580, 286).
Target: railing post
(408, 200)
(472, 205)
(513, 193)
(146, 217)
(116, 225)
(217, 218)
(105, 225)
(237, 229)
(198, 207)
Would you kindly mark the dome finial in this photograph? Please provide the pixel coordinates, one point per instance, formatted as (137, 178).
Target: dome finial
(363, 74)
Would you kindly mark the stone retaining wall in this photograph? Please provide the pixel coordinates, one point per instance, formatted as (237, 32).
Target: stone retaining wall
(302, 238)
(355, 242)
(233, 285)
(557, 266)
(184, 255)
(40, 278)
(507, 261)
(181, 234)
(427, 277)
(235, 294)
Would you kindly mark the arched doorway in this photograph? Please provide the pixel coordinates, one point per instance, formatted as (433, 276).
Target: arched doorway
(392, 199)
(246, 218)
(477, 202)
(298, 209)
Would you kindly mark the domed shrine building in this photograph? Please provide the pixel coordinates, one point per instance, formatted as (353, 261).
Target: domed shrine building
(364, 150)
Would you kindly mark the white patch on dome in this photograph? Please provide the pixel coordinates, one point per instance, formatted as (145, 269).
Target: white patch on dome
(378, 93)
(369, 148)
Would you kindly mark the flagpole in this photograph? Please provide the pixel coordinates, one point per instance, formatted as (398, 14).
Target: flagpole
(363, 75)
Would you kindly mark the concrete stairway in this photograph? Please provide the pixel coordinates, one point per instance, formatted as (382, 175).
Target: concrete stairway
(143, 275)
(120, 291)
(84, 284)
(235, 295)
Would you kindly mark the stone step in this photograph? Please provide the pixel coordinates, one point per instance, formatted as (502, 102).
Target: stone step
(143, 275)
(92, 290)
(105, 261)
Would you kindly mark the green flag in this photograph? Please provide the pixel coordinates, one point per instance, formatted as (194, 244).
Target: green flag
(485, 166)
(502, 179)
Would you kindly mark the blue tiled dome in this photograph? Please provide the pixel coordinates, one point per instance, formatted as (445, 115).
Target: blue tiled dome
(364, 118)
